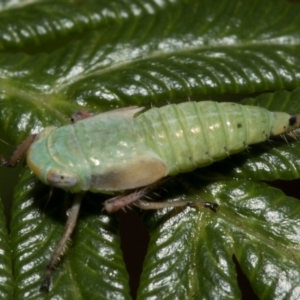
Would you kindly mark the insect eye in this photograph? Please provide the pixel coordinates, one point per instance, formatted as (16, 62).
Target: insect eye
(61, 179)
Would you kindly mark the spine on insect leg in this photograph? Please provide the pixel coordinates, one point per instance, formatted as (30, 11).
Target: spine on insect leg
(195, 134)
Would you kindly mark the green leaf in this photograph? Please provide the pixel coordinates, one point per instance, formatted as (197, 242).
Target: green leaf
(159, 52)
(191, 252)
(93, 267)
(61, 56)
(6, 281)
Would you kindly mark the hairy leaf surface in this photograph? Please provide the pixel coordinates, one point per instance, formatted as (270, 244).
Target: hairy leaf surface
(61, 56)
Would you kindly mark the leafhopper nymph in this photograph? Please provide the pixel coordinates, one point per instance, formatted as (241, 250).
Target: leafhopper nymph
(127, 149)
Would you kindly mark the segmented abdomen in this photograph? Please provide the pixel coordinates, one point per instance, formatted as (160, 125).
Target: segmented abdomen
(195, 134)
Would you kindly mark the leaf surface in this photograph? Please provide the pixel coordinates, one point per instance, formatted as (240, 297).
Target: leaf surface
(192, 252)
(61, 56)
(6, 279)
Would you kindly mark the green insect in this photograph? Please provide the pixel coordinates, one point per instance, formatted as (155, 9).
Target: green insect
(125, 149)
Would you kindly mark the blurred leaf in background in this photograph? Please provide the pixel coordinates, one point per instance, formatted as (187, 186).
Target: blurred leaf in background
(61, 56)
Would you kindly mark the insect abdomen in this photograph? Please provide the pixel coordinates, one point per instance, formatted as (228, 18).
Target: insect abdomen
(195, 134)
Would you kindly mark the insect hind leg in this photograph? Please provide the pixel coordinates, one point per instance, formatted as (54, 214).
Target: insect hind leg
(116, 203)
(146, 205)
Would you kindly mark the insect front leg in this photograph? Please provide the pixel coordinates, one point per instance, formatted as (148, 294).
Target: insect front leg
(18, 153)
(70, 225)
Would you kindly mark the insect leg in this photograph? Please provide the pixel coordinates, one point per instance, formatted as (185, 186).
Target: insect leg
(80, 115)
(18, 153)
(114, 204)
(70, 225)
(146, 205)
